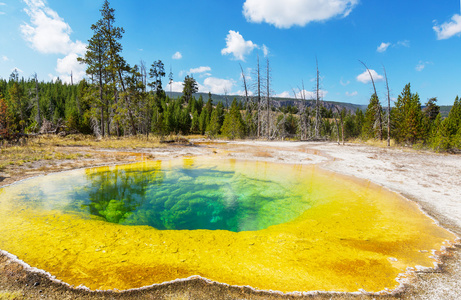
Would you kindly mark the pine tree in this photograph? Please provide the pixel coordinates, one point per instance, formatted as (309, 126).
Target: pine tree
(415, 129)
(195, 124)
(209, 105)
(431, 110)
(233, 126)
(199, 105)
(18, 105)
(370, 127)
(96, 61)
(220, 113)
(203, 121)
(213, 127)
(106, 65)
(407, 117)
(190, 87)
(448, 135)
(5, 119)
(156, 72)
(185, 121)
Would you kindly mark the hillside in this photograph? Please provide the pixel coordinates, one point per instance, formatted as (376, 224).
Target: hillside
(277, 102)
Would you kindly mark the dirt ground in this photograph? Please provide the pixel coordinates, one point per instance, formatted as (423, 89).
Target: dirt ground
(432, 180)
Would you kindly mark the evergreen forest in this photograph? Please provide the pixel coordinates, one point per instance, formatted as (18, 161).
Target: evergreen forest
(117, 99)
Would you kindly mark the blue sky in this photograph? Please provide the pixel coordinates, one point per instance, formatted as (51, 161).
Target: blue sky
(418, 42)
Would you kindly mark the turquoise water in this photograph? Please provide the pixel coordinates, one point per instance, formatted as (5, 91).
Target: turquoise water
(187, 194)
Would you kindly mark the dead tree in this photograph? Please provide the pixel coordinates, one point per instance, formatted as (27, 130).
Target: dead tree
(388, 110)
(317, 100)
(225, 97)
(378, 113)
(258, 95)
(245, 87)
(342, 124)
(146, 112)
(268, 94)
(38, 118)
(304, 116)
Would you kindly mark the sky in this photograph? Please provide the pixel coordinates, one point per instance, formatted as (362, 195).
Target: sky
(417, 42)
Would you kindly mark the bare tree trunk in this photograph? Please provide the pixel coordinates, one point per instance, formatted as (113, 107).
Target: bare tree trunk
(39, 119)
(317, 100)
(245, 87)
(268, 78)
(128, 101)
(108, 117)
(342, 124)
(337, 128)
(378, 107)
(101, 98)
(225, 97)
(303, 111)
(147, 109)
(259, 98)
(170, 78)
(388, 110)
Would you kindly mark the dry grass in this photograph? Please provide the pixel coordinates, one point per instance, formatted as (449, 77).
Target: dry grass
(374, 142)
(48, 153)
(21, 155)
(79, 140)
(52, 147)
(7, 295)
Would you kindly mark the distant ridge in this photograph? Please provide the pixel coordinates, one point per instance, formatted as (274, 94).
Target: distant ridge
(277, 101)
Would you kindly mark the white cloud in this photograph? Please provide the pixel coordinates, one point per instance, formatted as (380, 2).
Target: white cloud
(288, 13)
(353, 94)
(69, 65)
(284, 94)
(176, 86)
(217, 85)
(48, 33)
(302, 94)
(383, 47)
(449, 29)
(265, 50)
(237, 46)
(365, 77)
(404, 43)
(344, 83)
(177, 55)
(422, 65)
(200, 70)
(242, 93)
(5, 58)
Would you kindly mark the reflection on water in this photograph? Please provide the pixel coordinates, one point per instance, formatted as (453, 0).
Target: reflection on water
(188, 196)
(288, 228)
(115, 193)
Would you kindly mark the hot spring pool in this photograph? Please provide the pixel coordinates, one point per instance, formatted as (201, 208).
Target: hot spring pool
(271, 226)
